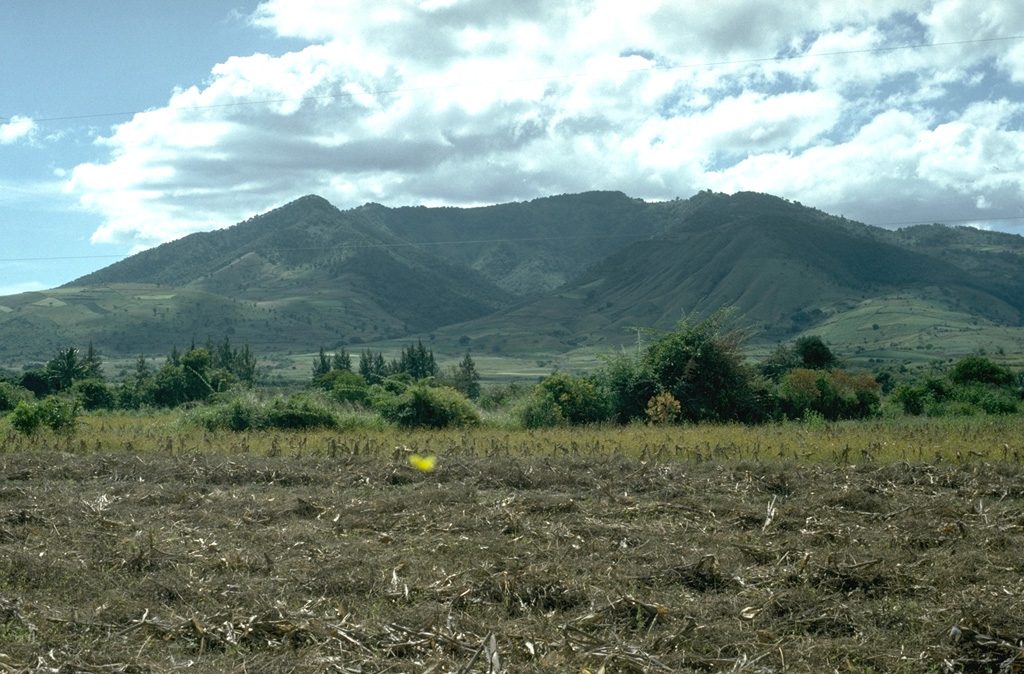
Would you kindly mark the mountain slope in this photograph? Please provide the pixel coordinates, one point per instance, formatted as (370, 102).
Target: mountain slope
(783, 266)
(547, 276)
(308, 255)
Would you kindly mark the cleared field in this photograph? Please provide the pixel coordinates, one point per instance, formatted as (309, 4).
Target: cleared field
(139, 546)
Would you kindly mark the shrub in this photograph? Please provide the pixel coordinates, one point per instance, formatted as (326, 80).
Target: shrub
(60, 414)
(26, 418)
(980, 370)
(299, 412)
(246, 412)
(910, 398)
(540, 410)
(93, 394)
(577, 398)
(421, 406)
(11, 395)
(345, 386)
(834, 394)
(663, 409)
(702, 367)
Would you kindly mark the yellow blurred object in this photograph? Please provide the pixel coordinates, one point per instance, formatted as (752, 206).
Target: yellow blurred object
(424, 463)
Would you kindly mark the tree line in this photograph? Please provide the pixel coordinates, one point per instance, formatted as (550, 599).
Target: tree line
(695, 373)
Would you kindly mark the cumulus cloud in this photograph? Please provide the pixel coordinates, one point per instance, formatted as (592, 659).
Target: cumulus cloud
(480, 101)
(17, 128)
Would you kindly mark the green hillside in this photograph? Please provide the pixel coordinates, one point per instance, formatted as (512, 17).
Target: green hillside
(568, 274)
(786, 268)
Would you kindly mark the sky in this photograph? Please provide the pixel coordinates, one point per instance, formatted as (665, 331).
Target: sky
(125, 125)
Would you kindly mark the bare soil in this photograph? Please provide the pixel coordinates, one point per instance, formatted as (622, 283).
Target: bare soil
(210, 562)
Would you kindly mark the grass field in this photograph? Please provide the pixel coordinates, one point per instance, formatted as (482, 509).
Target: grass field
(139, 544)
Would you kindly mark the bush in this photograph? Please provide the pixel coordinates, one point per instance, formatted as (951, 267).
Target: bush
(702, 367)
(663, 409)
(11, 395)
(421, 406)
(344, 385)
(539, 410)
(60, 414)
(299, 412)
(833, 394)
(26, 418)
(247, 412)
(93, 394)
(980, 370)
(578, 399)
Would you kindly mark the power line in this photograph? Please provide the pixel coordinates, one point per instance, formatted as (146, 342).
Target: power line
(541, 78)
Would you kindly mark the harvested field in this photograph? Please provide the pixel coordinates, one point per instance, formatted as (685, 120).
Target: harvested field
(556, 561)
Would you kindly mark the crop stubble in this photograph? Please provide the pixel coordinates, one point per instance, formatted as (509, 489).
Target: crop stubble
(117, 561)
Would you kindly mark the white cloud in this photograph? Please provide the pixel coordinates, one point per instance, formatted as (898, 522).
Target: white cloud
(480, 101)
(18, 128)
(25, 287)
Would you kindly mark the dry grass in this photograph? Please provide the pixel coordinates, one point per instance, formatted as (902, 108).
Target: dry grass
(635, 550)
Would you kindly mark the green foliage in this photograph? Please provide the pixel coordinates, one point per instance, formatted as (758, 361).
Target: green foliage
(540, 410)
(975, 385)
(465, 378)
(344, 385)
(94, 394)
(422, 406)
(26, 417)
(244, 412)
(577, 398)
(65, 368)
(500, 396)
(58, 413)
(813, 354)
(980, 370)
(629, 385)
(37, 382)
(701, 366)
(327, 370)
(11, 395)
(418, 362)
(809, 353)
(372, 367)
(832, 394)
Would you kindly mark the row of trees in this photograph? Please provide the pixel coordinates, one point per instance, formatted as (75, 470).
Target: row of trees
(695, 373)
(415, 363)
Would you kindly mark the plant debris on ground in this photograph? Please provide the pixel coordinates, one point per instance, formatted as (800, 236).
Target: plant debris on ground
(161, 561)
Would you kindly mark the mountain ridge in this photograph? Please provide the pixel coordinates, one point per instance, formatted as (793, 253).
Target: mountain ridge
(554, 274)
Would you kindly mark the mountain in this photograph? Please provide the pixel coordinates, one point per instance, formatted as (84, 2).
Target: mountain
(784, 267)
(548, 275)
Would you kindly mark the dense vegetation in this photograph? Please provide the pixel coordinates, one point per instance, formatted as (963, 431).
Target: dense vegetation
(695, 373)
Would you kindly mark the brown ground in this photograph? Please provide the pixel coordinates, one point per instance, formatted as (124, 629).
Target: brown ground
(206, 562)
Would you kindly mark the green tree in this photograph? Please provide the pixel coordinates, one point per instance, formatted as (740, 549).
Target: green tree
(422, 406)
(341, 360)
(812, 353)
(980, 370)
(92, 363)
(373, 368)
(700, 364)
(466, 379)
(65, 368)
(578, 399)
(418, 362)
(321, 364)
(93, 394)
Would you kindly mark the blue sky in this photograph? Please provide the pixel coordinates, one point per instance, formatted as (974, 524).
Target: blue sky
(124, 125)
